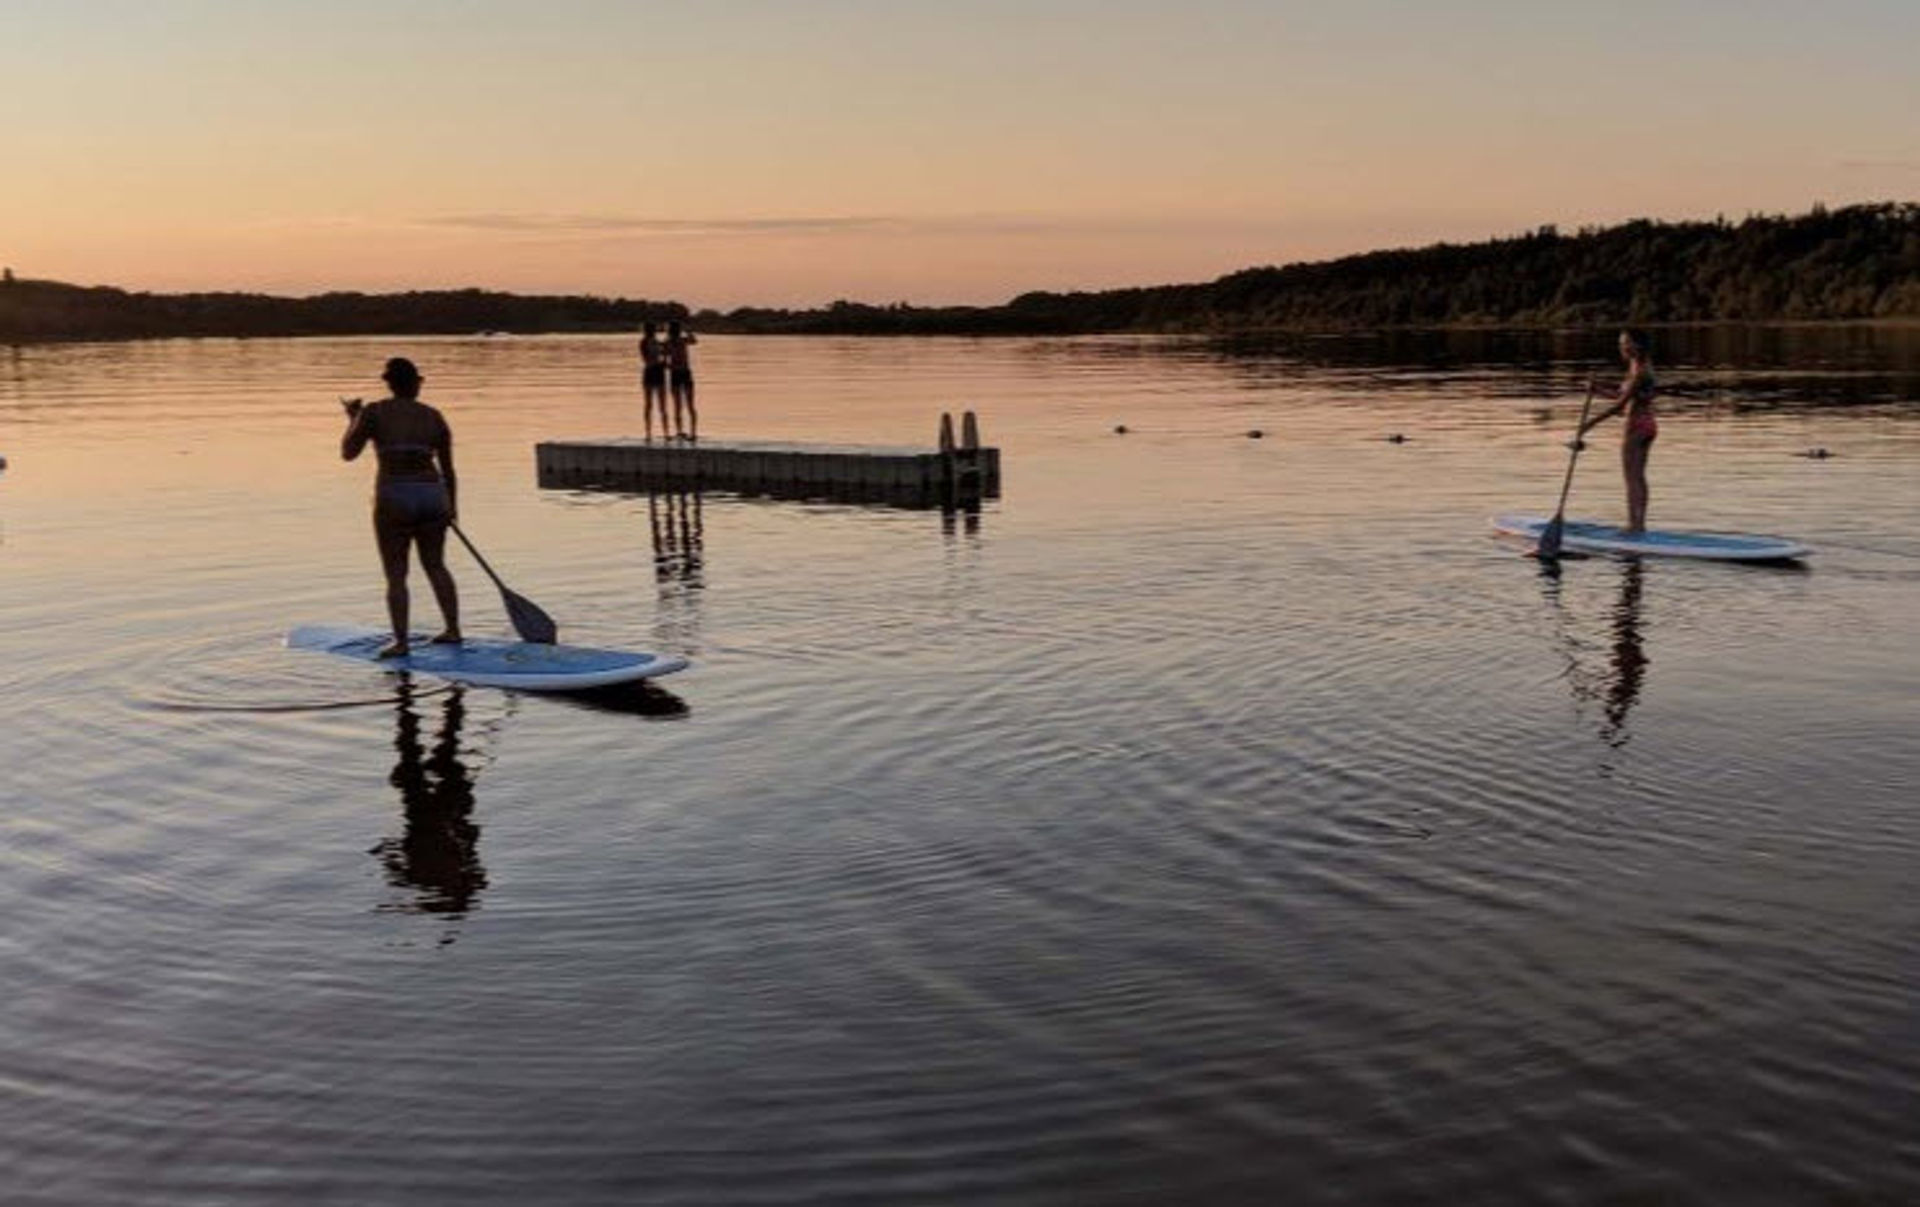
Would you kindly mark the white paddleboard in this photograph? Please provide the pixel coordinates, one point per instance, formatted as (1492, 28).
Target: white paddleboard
(1713, 546)
(491, 662)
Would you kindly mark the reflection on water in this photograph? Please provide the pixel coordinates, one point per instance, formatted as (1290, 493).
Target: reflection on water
(962, 516)
(676, 520)
(1606, 663)
(436, 857)
(1628, 664)
(641, 699)
(678, 526)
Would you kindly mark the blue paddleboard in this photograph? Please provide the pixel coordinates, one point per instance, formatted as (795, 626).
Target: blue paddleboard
(1713, 546)
(491, 662)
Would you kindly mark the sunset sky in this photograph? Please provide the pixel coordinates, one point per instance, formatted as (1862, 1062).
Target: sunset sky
(726, 152)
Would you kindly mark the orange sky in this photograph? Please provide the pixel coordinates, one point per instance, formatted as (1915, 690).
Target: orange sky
(726, 152)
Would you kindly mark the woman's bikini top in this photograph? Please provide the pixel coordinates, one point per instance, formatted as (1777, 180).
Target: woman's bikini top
(404, 461)
(408, 462)
(1640, 390)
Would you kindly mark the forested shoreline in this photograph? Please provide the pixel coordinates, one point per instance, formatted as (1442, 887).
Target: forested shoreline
(1849, 264)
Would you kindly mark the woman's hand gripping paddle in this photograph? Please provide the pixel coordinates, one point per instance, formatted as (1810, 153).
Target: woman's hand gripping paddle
(1549, 547)
(528, 620)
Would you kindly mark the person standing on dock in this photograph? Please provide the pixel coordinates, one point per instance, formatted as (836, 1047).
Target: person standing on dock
(413, 494)
(680, 365)
(653, 378)
(1636, 399)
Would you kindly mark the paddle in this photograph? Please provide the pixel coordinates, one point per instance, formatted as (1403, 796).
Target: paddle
(529, 621)
(1549, 547)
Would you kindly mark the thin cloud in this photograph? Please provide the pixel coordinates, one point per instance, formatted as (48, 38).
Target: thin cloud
(1052, 225)
(617, 224)
(604, 228)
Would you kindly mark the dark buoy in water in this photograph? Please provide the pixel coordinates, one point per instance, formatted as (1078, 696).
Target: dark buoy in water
(1119, 429)
(1817, 454)
(1397, 438)
(1255, 434)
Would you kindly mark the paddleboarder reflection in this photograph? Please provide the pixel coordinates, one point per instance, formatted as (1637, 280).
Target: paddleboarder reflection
(437, 854)
(1617, 688)
(1629, 662)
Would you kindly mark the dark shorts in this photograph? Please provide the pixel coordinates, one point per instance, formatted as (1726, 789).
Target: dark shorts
(410, 507)
(654, 375)
(683, 379)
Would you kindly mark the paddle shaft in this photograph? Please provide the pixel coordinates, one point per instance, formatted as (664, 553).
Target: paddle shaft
(527, 618)
(477, 557)
(1550, 539)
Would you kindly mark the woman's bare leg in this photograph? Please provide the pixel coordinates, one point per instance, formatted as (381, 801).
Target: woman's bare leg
(693, 415)
(656, 399)
(1633, 460)
(393, 562)
(433, 559)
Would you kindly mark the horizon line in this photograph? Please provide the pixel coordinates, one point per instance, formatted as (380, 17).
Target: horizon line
(749, 226)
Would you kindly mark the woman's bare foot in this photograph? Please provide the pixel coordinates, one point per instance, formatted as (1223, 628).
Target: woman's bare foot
(450, 637)
(394, 649)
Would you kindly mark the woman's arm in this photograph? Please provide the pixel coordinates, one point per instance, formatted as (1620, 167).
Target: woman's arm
(443, 449)
(1619, 405)
(359, 428)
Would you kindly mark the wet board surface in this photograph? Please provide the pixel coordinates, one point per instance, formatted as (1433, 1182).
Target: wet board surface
(491, 662)
(1712, 546)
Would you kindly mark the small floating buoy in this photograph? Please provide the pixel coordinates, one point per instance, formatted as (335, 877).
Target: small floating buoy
(1397, 438)
(1255, 434)
(1119, 429)
(1817, 454)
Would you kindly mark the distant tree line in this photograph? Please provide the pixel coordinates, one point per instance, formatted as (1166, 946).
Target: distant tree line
(1857, 262)
(1860, 262)
(48, 310)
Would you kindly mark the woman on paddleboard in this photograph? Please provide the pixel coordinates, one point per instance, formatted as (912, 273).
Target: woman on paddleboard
(1636, 399)
(413, 493)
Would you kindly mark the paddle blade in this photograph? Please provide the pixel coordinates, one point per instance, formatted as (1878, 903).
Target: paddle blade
(528, 620)
(1549, 547)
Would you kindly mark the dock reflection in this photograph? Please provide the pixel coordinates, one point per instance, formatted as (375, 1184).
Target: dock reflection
(961, 518)
(436, 857)
(676, 521)
(678, 525)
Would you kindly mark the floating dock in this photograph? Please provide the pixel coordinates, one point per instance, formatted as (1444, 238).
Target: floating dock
(955, 472)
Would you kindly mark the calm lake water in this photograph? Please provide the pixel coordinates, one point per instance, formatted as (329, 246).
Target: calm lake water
(1209, 820)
